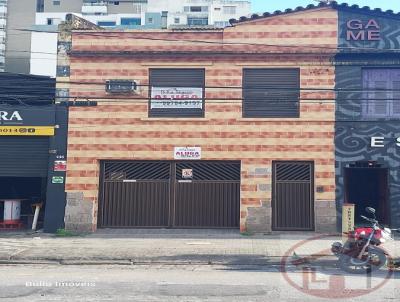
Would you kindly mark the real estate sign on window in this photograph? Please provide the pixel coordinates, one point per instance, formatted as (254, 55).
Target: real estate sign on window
(176, 97)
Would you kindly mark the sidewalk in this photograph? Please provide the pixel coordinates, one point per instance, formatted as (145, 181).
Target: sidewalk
(164, 246)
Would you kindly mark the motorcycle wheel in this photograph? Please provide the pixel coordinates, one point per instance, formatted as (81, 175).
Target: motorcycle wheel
(375, 260)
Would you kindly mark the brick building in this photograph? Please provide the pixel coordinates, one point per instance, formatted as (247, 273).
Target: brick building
(198, 128)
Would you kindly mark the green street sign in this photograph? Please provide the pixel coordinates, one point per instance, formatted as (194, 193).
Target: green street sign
(57, 180)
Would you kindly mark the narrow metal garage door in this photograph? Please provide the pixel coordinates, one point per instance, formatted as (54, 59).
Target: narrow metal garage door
(293, 196)
(24, 156)
(159, 194)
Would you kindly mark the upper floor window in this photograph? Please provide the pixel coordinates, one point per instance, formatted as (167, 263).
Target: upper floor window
(196, 9)
(381, 93)
(56, 2)
(229, 10)
(137, 8)
(106, 23)
(197, 21)
(221, 23)
(94, 2)
(271, 92)
(176, 92)
(39, 6)
(131, 21)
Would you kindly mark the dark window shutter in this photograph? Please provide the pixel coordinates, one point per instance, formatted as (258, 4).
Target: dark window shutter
(190, 78)
(272, 92)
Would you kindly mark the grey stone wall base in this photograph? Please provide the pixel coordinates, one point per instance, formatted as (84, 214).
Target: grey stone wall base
(259, 219)
(79, 228)
(325, 217)
(79, 213)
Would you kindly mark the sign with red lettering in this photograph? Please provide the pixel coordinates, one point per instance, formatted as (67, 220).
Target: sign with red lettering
(176, 97)
(191, 153)
(359, 30)
(60, 165)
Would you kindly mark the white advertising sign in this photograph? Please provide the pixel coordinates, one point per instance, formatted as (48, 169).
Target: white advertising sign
(187, 153)
(187, 173)
(176, 97)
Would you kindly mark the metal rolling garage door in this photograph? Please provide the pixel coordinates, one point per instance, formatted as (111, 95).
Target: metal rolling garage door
(156, 194)
(24, 156)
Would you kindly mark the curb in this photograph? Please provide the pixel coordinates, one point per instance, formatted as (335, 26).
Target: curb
(276, 262)
(130, 262)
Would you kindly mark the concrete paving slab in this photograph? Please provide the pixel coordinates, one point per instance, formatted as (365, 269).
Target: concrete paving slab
(168, 246)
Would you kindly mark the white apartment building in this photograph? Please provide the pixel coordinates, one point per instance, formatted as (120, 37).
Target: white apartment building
(3, 32)
(135, 14)
(201, 12)
(132, 12)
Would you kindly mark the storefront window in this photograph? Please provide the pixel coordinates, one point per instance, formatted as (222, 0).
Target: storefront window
(381, 96)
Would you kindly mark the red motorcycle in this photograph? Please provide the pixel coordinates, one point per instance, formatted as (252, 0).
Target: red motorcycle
(361, 253)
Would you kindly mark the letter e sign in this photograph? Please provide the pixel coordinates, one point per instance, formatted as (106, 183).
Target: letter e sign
(377, 141)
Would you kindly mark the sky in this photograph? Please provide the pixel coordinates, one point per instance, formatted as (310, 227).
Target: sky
(260, 6)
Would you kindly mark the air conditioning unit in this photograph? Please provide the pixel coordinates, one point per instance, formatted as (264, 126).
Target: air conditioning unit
(121, 86)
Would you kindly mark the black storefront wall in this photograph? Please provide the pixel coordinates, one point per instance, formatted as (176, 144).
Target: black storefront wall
(353, 144)
(29, 149)
(355, 130)
(354, 133)
(56, 196)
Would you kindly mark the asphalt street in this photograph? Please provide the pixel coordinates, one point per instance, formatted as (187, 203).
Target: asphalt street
(191, 283)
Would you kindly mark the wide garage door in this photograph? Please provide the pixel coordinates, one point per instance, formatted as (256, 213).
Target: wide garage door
(170, 194)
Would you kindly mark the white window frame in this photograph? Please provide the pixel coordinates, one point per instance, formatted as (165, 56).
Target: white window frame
(372, 95)
(229, 10)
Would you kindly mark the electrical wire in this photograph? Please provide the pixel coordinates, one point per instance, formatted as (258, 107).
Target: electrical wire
(258, 87)
(28, 51)
(275, 101)
(108, 34)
